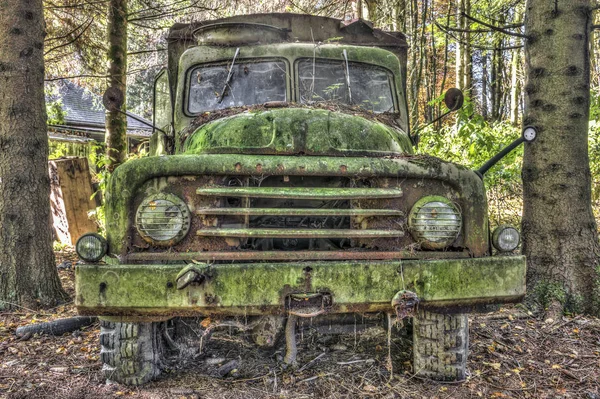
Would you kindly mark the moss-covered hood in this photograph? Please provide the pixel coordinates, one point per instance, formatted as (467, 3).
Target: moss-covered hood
(295, 131)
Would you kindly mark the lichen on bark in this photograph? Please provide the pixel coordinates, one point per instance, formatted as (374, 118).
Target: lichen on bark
(559, 230)
(116, 122)
(28, 276)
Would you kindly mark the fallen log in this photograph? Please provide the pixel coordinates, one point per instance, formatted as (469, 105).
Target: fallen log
(55, 327)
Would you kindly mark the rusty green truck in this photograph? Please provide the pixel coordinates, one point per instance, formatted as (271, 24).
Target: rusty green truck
(283, 183)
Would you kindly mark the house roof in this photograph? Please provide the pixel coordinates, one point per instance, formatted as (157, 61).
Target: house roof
(84, 111)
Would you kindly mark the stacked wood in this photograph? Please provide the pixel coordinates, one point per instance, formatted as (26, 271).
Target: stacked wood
(71, 198)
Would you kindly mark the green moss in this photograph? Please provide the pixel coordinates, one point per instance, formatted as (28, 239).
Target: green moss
(298, 130)
(548, 292)
(129, 177)
(139, 289)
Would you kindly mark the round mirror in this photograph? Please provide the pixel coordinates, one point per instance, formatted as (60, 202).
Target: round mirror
(113, 99)
(454, 99)
(529, 134)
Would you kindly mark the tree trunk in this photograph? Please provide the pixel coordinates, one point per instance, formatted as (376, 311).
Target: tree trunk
(116, 122)
(464, 72)
(460, 23)
(416, 60)
(400, 16)
(559, 230)
(515, 87)
(467, 51)
(359, 9)
(372, 10)
(28, 274)
(484, 85)
(496, 84)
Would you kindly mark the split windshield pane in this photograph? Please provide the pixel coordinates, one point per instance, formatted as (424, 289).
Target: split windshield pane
(251, 83)
(326, 80)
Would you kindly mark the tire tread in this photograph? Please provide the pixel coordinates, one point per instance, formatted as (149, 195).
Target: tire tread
(440, 345)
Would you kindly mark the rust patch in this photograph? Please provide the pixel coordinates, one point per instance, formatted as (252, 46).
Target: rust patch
(405, 304)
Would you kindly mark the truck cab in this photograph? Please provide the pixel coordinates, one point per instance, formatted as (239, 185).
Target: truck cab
(283, 184)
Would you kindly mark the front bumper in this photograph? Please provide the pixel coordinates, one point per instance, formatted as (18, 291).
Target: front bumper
(150, 291)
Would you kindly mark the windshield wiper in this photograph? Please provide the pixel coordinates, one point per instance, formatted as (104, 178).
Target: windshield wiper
(348, 76)
(229, 76)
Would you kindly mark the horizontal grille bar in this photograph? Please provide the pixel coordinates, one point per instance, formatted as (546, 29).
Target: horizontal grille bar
(299, 233)
(293, 255)
(308, 193)
(298, 212)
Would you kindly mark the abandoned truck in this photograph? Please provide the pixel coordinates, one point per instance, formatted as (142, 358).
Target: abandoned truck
(282, 184)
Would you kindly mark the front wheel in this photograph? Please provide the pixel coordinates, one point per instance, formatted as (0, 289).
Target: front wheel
(131, 352)
(440, 345)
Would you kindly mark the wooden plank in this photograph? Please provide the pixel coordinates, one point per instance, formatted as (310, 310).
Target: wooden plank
(71, 198)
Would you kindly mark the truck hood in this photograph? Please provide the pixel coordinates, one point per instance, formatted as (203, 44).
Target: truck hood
(297, 131)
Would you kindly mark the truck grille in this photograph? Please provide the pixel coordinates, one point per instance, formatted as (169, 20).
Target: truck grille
(295, 218)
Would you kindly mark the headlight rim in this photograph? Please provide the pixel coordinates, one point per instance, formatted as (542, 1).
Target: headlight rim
(416, 234)
(183, 208)
(102, 240)
(496, 236)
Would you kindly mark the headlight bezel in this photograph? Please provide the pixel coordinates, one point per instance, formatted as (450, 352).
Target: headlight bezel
(420, 234)
(497, 235)
(175, 201)
(103, 247)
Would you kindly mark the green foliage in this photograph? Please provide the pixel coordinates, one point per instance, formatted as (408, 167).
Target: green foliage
(59, 246)
(58, 150)
(594, 149)
(471, 141)
(54, 106)
(546, 293)
(56, 114)
(100, 175)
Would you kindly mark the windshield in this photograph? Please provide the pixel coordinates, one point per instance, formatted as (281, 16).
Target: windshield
(327, 80)
(251, 83)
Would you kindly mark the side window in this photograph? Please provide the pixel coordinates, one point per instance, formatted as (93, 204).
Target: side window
(162, 101)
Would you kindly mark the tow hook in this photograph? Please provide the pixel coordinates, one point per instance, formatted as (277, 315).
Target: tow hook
(308, 304)
(191, 274)
(405, 303)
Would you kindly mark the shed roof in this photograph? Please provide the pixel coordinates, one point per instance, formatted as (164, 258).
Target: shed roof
(84, 110)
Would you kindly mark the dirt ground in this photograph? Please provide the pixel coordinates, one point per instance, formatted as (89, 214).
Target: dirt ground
(514, 354)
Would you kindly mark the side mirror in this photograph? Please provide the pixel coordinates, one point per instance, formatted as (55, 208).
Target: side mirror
(454, 99)
(113, 99)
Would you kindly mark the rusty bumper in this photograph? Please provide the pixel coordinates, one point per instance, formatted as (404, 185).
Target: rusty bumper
(153, 291)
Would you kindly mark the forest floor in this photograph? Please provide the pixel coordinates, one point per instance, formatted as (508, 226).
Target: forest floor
(513, 354)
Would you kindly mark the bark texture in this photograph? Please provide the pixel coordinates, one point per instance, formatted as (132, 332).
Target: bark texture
(560, 235)
(28, 274)
(464, 68)
(116, 122)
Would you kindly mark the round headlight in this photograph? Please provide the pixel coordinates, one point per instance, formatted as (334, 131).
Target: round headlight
(91, 247)
(163, 219)
(435, 222)
(506, 238)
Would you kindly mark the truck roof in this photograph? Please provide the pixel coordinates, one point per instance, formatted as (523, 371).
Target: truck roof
(284, 27)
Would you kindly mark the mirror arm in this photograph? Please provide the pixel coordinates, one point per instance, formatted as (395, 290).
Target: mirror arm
(496, 158)
(415, 137)
(140, 120)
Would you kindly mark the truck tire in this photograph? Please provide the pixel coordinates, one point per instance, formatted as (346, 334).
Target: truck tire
(131, 352)
(440, 345)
